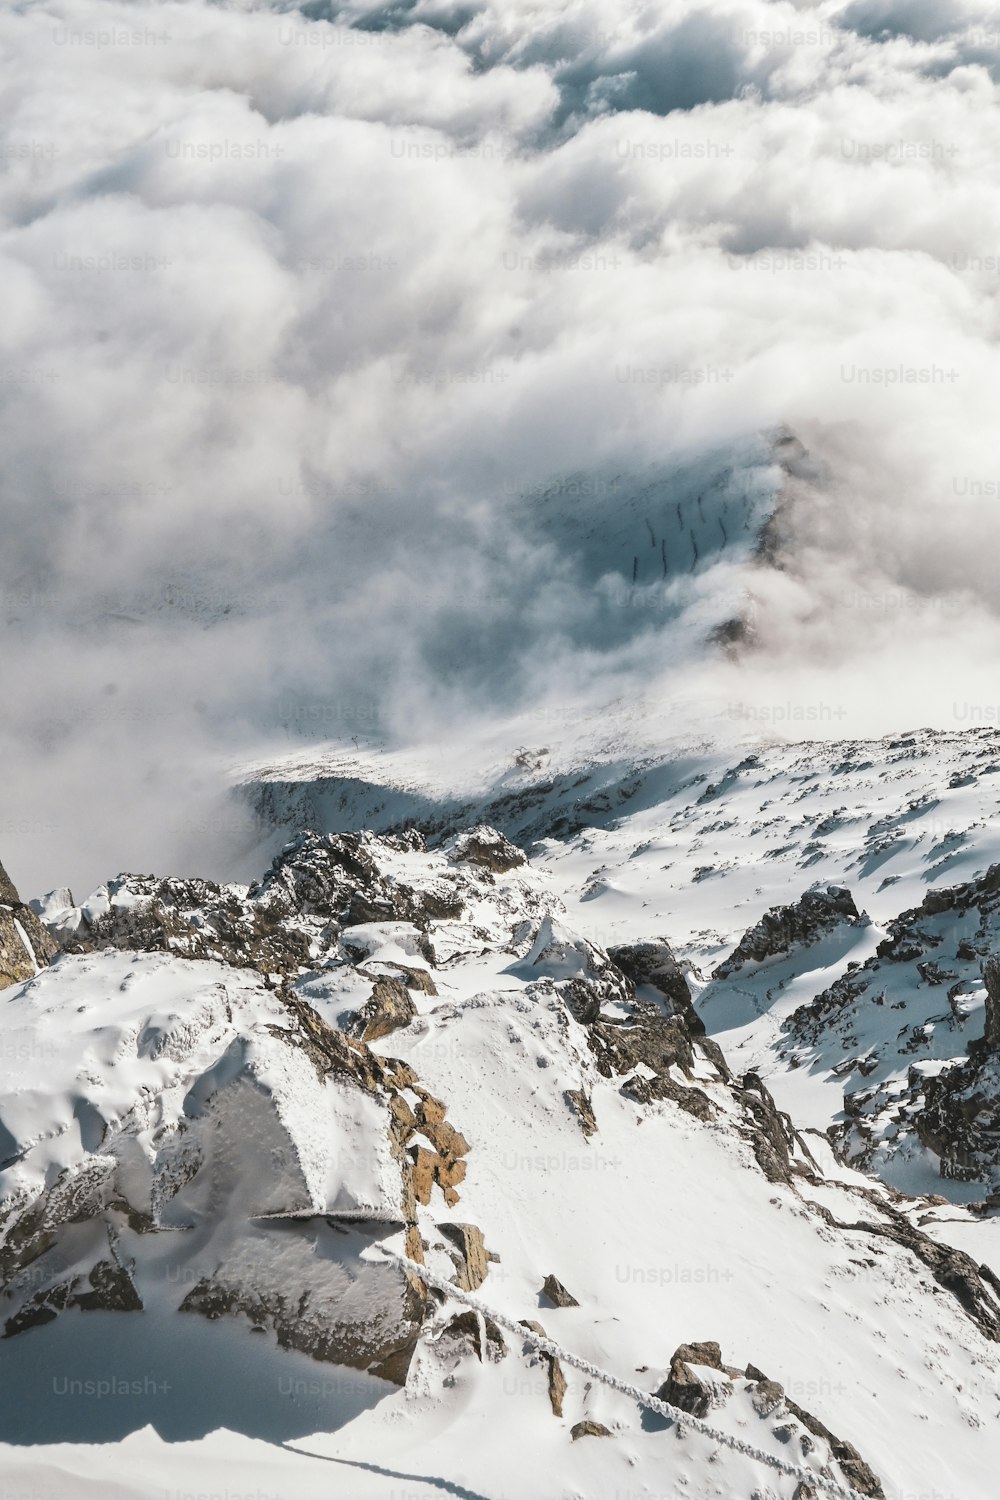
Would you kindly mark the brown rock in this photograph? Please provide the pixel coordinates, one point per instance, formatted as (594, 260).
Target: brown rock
(446, 1139)
(467, 1328)
(682, 1388)
(388, 1009)
(425, 1164)
(579, 1103)
(557, 1294)
(589, 1429)
(474, 1267)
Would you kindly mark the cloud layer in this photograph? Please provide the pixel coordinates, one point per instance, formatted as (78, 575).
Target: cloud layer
(303, 314)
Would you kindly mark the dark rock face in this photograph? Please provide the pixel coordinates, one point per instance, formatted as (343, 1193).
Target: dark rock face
(579, 1102)
(783, 928)
(991, 979)
(108, 1287)
(25, 945)
(489, 849)
(329, 1324)
(654, 963)
(769, 1130)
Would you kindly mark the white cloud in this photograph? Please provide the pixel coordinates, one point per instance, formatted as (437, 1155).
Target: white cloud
(291, 312)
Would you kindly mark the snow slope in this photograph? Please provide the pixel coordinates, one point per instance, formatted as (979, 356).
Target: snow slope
(659, 1192)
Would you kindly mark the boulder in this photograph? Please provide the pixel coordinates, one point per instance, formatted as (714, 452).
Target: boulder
(489, 849)
(557, 1294)
(388, 1009)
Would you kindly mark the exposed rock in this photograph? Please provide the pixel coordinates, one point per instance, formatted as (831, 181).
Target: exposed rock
(25, 945)
(107, 1287)
(557, 1380)
(654, 963)
(474, 1265)
(769, 1130)
(486, 847)
(389, 1009)
(478, 1333)
(557, 1387)
(579, 1102)
(783, 928)
(330, 1319)
(557, 1294)
(853, 1467)
(589, 1429)
(317, 886)
(991, 979)
(690, 1393)
(683, 1388)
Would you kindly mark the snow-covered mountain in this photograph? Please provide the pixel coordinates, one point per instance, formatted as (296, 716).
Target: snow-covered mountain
(677, 1067)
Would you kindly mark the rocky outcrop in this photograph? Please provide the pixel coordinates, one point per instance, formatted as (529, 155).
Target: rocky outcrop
(768, 1399)
(683, 1387)
(991, 979)
(25, 945)
(557, 1386)
(389, 1009)
(784, 928)
(588, 1428)
(699, 1381)
(288, 921)
(553, 1289)
(472, 1262)
(489, 849)
(654, 963)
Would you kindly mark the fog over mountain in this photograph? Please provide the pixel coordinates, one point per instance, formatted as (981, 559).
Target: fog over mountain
(304, 313)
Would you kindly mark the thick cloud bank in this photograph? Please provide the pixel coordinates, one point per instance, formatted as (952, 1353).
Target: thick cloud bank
(337, 345)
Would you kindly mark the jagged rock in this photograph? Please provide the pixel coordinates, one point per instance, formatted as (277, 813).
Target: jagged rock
(815, 914)
(107, 1287)
(557, 1387)
(579, 1102)
(322, 1314)
(654, 963)
(589, 1429)
(991, 979)
(557, 1380)
(769, 1130)
(474, 1266)
(557, 1294)
(853, 1467)
(478, 1333)
(112, 1290)
(486, 847)
(25, 945)
(683, 1388)
(316, 887)
(389, 1009)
